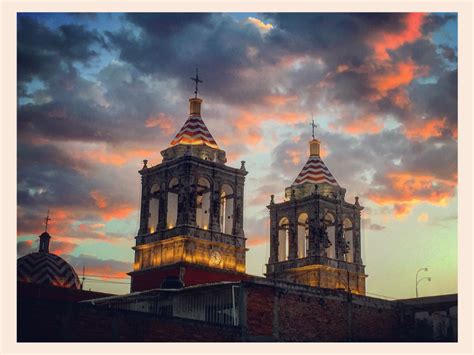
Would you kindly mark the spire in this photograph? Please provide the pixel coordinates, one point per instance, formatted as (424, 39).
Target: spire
(315, 171)
(45, 237)
(194, 130)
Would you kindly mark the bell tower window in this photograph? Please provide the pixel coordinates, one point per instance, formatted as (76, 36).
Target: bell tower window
(227, 209)
(172, 208)
(154, 208)
(203, 203)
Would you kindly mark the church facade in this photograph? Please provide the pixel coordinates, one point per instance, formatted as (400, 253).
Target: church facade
(191, 218)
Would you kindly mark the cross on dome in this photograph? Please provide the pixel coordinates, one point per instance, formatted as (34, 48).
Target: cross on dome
(46, 220)
(197, 80)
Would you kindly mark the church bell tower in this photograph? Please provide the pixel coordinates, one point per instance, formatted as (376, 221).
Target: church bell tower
(315, 234)
(191, 218)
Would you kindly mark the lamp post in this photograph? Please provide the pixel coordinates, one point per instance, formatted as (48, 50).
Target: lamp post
(418, 281)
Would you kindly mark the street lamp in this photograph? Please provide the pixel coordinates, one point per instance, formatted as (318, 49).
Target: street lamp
(418, 281)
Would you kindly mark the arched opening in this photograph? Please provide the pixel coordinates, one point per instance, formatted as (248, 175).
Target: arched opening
(303, 234)
(329, 220)
(227, 209)
(154, 208)
(283, 239)
(203, 203)
(172, 208)
(348, 238)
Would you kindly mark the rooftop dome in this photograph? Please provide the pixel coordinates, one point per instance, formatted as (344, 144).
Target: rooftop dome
(45, 268)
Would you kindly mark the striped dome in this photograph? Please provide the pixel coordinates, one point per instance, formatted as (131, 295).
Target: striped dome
(194, 132)
(315, 172)
(46, 269)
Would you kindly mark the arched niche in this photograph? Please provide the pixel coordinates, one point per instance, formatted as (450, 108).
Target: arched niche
(349, 239)
(172, 208)
(203, 203)
(329, 220)
(154, 208)
(227, 209)
(283, 239)
(303, 233)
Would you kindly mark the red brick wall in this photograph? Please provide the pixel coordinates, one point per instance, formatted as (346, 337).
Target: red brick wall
(292, 314)
(260, 311)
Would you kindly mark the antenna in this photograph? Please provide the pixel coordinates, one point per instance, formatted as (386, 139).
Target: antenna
(83, 277)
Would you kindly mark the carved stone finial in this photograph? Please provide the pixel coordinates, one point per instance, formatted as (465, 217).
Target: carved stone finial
(145, 162)
(357, 201)
(293, 194)
(242, 166)
(272, 199)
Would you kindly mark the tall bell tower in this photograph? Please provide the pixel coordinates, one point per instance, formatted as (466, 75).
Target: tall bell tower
(315, 234)
(191, 218)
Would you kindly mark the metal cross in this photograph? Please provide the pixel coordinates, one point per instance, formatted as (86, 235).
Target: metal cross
(46, 220)
(313, 125)
(197, 81)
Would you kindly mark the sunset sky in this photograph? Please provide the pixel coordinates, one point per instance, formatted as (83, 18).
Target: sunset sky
(98, 93)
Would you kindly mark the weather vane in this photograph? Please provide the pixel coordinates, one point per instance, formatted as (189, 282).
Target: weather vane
(313, 125)
(46, 220)
(197, 81)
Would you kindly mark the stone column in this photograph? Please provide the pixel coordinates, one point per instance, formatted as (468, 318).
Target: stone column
(293, 233)
(214, 218)
(273, 235)
(239, 208)
(356, 236)
(313, 225)
(163, 206)
(144, 206)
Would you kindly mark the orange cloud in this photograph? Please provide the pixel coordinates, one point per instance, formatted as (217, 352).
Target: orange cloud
(384, 41)
(163, 121)
(363, 125)
(99, 199)
(398, 75)
(117, 212)
(117, 158)
(401, 99)
(406, 190)
(59, 247)
(279, 100)
(424, 129)
(256, 240)
(264, 27)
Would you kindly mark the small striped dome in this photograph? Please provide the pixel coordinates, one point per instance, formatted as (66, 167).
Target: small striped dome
(194, 132)
(46, 269)
(316, 172)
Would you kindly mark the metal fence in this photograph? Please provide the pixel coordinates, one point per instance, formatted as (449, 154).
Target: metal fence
(215, 305)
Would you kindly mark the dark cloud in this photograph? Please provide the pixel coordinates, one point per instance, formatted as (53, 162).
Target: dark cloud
(42, 52)
(435, 21)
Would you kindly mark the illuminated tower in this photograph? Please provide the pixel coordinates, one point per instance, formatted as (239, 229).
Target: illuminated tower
(191, 220)
(315, 234)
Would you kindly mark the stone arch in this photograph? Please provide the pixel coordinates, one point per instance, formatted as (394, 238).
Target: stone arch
(227, 208)
(349, 239)
(303, 235)
(203, 202)
(154, 208)
(172, 207)
(283, 239)
(330, 222)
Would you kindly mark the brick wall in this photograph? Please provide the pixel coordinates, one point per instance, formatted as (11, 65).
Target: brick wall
(47, 321)
(288, 312)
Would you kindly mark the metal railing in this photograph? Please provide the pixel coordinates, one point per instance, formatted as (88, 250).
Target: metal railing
(216, 305)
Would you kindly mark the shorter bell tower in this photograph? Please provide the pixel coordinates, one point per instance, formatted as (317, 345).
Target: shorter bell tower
(191, 219)
(315, 234)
